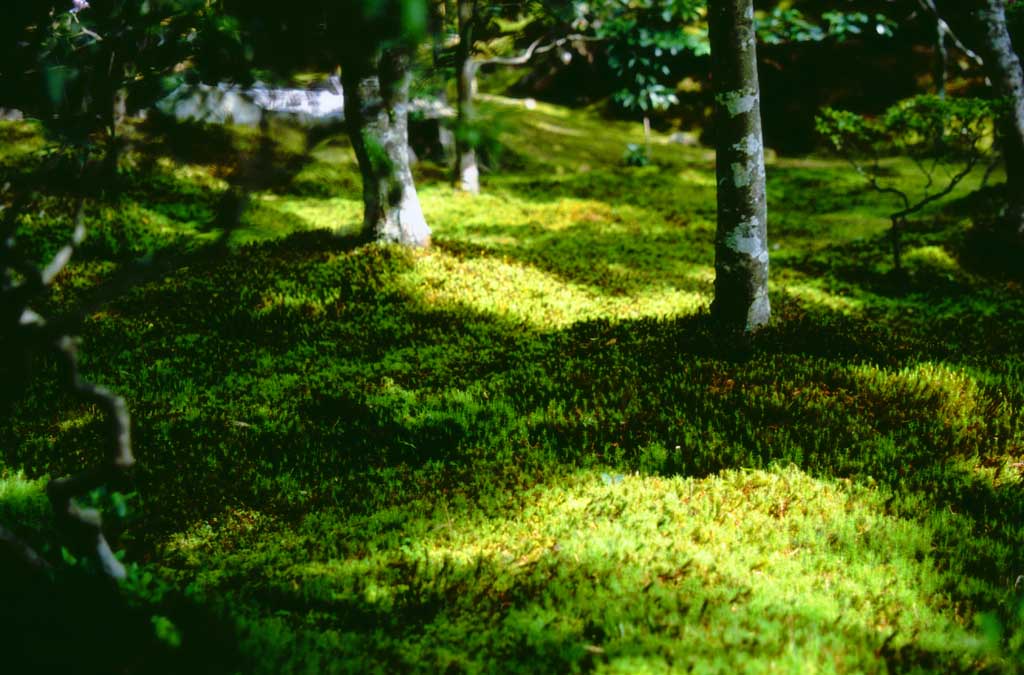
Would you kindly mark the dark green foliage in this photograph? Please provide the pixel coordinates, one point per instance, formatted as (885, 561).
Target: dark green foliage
(787, 25)
(642, 40)
(943, 129)
(67, 67)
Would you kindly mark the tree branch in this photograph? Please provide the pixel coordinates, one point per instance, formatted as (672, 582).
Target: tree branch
(86, 524)
(21, 552)
(534, 49)
(875, 185)
(953, 182)
(944, 29)
(83, 525)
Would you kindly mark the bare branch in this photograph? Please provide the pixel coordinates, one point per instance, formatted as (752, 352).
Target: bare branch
(953, 182)
(946, 31)
(534, 49)
(872, 180)
(20, 282)
(85, 524)
(20, 551)
(929, 180)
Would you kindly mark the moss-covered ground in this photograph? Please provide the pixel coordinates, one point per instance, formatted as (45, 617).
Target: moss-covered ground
(525, 450)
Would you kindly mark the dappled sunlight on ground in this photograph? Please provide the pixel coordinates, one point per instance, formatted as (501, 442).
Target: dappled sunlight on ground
(737, 566)
(522, 293)
(527, 447)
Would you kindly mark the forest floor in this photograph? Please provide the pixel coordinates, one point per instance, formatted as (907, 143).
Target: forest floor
(525, 450)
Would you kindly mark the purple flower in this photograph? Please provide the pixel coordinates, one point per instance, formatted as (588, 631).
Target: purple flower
(78, 5)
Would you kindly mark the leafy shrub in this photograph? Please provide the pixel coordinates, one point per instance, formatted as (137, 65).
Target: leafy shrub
(946, 138)
(636, 155)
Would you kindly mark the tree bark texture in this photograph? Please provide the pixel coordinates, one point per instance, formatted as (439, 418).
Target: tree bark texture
(1004, 70)
(467, 173)
(741, 241)
(376, 114)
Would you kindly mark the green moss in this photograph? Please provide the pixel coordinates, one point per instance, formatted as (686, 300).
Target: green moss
(526, 449)
(610, 573)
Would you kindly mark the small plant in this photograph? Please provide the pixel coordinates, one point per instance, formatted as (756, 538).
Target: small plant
(945, 137)
(636, 155)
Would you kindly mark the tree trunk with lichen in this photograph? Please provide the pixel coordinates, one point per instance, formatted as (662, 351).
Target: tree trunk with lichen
(467, 173)
(376, 100)
(741, 241)
(1004, 70)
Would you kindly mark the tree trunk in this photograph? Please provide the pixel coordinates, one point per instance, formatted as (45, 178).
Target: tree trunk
(1004, 70)
(941, 67)
(941, 59)
(467, 174)
(376, 96)
(741, 241)
(115, 123)
(445, 136)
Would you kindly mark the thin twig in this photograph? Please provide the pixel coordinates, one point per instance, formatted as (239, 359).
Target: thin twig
(875, 185)
(972, 162)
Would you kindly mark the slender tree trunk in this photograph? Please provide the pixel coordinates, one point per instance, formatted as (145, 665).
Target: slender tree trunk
(941, 60)
(1004, 70)
(741, 241)
(941, 67)
(112, 96)
(376, 96)
(445, 136)
(115, 123)
(467, 173)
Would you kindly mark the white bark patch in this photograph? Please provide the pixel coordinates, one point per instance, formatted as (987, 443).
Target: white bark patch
(738, 102)
(750, 146)
(749, 245)
(759, 312)
(741, 174)
(745, 173)
(469, 177)
(415, 231)
(404, 222)
(411, 227)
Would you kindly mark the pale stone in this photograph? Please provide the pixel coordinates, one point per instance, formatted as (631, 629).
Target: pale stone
(230, 104)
